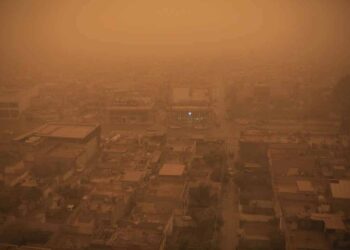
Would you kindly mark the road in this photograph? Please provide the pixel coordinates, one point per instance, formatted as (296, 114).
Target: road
(229, 202)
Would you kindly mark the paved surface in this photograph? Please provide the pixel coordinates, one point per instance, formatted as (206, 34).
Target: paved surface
(228, 238)
(229, 131)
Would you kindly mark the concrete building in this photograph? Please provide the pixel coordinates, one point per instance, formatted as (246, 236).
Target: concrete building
(15, 174)
(340, 191)
(170, 171)
(190, 115)
(87, 137)
(190, 107)
(14, 102)
(129, 108)
(191, 96)
(136, 238)
(131, 115)
(133, 177)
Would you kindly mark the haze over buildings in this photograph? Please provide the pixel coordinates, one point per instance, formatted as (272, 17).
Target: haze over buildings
(105, 31)
(174, 125)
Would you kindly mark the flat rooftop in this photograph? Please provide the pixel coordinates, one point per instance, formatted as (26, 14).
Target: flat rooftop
(282, 166)
(172, 169)
(63, 131)
(258, 228)
(190, 108)
(133, 176)
(185, 94)
(130, 108)
(304, 239)
(164, 191)
(136, 238)
(331, 221)
(341, 189)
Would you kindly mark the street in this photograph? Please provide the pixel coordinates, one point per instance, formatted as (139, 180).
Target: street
(229, 204)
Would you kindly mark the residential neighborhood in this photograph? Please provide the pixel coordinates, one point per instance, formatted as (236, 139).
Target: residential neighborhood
(174, 125)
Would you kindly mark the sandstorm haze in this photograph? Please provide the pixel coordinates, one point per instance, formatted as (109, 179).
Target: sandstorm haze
(174, 124)
(51, 31)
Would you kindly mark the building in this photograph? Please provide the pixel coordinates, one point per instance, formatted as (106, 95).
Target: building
(133, 177)
(136, 238)
(170, 171)
(130, 108)
(191, 96)
(340, 191)
(14, 102)
(69, 158)
(105, 205)
(130, 115)
(15, 174)
(190, 115)
(87, 137)
(73, 154)
(190, 107)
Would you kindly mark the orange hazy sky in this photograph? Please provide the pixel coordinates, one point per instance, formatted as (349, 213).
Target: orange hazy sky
(42, 29)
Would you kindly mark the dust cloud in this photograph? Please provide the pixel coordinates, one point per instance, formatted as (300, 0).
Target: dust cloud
(174, 124)
(46, 31)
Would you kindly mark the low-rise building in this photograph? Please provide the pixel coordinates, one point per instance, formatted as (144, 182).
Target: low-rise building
(15, 174)
(340, 192)
(13, 102)
(85, 136)
(191, 108)
(133, 177)
(172, 171)
(136, 238)
(130, 108)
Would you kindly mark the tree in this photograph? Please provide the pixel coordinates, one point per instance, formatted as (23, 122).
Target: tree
(201, 195)
(31, 194)
(341, 94)
(183, 245)
(72, 193)
(22, 234)
(215, 158)
(207, 220)
(239, 165)
(277, 240)
(9, 200)
(7, 159)
(217, 175)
